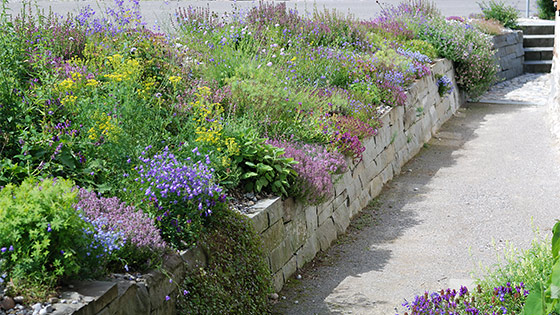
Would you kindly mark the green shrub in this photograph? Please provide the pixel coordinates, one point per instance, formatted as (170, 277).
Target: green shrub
(498, 10)
(469, 49)
(545, 296)
(422, 47)
(42, 237)
(237, 278)
(546, 9)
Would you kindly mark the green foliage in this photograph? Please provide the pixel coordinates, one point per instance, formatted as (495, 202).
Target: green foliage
(237, 278)
(529, 266)
(469, 49)
(546, 296)
(42, 235)
(265, 168)
(546, 9)
(498, 10)
(421, 46)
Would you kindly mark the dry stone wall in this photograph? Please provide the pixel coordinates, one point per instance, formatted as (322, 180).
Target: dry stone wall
(509, 54)
(293, 233)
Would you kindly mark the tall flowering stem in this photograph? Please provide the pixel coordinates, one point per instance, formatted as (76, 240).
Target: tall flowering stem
(182, 194)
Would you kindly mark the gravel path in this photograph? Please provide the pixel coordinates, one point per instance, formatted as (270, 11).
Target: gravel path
(491, 172)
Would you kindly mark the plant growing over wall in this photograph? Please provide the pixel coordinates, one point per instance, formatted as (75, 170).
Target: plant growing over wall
(237, 278)
(498, 10)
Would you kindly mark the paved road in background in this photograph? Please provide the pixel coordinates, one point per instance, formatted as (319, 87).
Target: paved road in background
(158, 12)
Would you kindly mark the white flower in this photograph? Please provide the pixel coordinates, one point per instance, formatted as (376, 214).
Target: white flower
(269, 64)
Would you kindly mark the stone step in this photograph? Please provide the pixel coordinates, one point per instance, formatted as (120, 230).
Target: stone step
(538, 53)
(537, 29)
(537, 66)
(538, 40)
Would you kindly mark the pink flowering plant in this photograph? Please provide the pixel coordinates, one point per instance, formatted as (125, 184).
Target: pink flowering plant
(134, 233)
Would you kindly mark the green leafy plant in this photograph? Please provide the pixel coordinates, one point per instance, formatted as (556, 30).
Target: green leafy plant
(545, 297)
(498, 10)
(546, 9)
(43, 239)
(237, 279)
(265, 168)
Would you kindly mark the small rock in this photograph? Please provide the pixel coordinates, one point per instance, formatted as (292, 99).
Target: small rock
(273, 296)
(250, 203)
(49, 308)
(43, 312)
(8, 303)
(415, 189)
(35, 312)
(37, 307)
(63, 301)
(296, 302)
(410, 170)
(53, 300)
(283, 297)
(298, 277)
(74, 302)
(20, 307)
(18, 299)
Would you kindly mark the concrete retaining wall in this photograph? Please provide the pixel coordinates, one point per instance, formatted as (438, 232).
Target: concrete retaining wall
(294, 233)
(509, 54)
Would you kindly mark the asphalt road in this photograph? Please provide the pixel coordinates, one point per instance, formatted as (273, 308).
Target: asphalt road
(158, 12)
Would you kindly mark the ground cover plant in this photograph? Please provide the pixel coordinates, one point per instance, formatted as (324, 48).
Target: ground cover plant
(147, 134)
(513, 286)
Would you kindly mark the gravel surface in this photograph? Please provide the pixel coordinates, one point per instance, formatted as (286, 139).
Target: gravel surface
(489, 175)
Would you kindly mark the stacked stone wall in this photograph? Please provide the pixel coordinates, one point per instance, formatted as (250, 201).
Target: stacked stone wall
(293, 233)
(509, 54)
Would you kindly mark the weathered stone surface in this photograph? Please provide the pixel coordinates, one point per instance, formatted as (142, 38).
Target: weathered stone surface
(280, 255)
(259, 220)
(308, 251)
(101, 292)
(273, 236)
(341, 219)
(274, 209)
(296, 231)
(375, 186)
(278, 281)
(311, 219)
(291, 209)
(290, 267)
(326, 234)
(324, 212)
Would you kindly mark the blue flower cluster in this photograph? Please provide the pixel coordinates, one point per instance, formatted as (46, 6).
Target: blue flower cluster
(181, 192)
(445, 86)
(105, 240)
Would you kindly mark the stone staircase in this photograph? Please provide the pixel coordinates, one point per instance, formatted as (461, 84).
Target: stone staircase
(538, 43)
